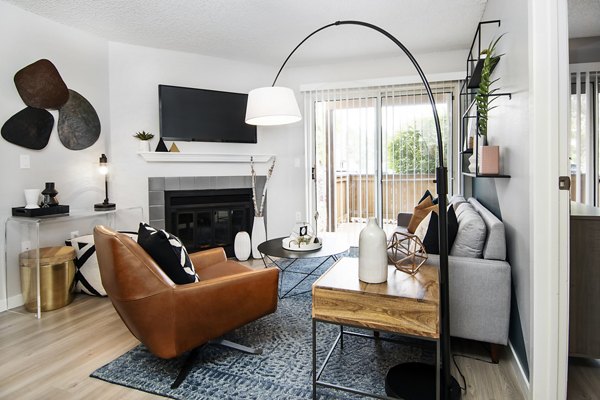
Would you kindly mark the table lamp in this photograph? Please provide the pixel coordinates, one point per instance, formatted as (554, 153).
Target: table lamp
(103, 169)
(277, 105)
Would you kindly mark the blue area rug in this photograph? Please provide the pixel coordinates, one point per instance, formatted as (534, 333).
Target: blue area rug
(283, 371)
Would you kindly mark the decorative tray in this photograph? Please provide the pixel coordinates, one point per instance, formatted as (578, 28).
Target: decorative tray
(289, 243)
(40, 212)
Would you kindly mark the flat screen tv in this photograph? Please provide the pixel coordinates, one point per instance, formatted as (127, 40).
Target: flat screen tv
(200, 115)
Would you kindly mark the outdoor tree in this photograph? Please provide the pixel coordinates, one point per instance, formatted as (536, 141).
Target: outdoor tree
(409, 152)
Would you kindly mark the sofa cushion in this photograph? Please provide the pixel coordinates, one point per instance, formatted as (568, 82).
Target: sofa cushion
(421, 211)
(471, 235)
(457, 200)
(495, 243)
(168, 252)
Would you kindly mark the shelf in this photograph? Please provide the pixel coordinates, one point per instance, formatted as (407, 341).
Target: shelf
(204, 158)
(475, 79)
(485, 176)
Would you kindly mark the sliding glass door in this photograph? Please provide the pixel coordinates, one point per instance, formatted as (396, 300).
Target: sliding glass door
(584, 125)
(375, 152)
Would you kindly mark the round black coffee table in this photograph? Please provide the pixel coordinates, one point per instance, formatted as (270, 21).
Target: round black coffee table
(333, 245)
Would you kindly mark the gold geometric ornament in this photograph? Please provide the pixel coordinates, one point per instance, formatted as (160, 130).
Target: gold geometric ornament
(406, 252)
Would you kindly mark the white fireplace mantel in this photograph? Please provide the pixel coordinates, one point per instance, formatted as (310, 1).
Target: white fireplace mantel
(204, 157)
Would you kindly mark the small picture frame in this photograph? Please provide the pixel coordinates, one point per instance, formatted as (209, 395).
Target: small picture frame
(303, 231)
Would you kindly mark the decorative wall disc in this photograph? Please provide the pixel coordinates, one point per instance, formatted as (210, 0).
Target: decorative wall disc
(41, 86)
(78, 123)
(29, 128)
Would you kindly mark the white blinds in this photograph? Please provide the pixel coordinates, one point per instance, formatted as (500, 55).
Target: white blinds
(374, 149)
(584, 128)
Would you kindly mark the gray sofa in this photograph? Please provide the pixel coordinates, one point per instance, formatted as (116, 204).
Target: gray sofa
(479, 275)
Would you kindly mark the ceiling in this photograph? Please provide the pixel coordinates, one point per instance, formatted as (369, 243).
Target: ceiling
(265, 31)
(584, 18)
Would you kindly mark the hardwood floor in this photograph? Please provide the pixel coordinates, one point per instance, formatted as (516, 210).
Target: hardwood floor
(52, 358)
(584, 379)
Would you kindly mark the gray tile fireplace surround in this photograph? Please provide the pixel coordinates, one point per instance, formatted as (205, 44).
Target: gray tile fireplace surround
(158, 185)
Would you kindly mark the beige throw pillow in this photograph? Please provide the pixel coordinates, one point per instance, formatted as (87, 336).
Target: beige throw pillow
(420, 212)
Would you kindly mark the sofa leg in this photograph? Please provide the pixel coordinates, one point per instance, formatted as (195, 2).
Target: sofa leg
(495, 352)
(186, 367)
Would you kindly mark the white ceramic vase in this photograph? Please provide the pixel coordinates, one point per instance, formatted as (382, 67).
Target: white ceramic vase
(144, 146)
(259, 235)
(242, 246)
(472, 165)
(31, 198)
(372, 253)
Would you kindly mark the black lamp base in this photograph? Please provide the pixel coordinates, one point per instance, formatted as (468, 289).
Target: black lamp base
(415, 381)
(105, 206)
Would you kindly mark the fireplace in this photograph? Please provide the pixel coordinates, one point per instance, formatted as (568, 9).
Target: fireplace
(204, 212)
(204, 219)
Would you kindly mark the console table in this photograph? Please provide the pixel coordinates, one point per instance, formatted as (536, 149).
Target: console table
(23, 233)
(405, 304)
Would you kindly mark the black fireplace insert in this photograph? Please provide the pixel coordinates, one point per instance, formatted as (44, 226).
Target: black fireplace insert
(204, 219)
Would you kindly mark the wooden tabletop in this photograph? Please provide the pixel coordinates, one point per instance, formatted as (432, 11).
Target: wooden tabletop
(404, 304)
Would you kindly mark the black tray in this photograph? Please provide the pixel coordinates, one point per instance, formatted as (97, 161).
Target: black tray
(40, 212)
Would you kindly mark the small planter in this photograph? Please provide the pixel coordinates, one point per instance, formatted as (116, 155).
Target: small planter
(144, 146)
(489, 160)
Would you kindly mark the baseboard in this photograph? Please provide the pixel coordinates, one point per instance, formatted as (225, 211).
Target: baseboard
(518, 371)
(15, 301)
(3, 306)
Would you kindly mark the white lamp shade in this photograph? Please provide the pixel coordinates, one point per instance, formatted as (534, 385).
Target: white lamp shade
(272, 106)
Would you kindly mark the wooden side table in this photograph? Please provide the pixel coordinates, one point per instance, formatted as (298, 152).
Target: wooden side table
(405, 304)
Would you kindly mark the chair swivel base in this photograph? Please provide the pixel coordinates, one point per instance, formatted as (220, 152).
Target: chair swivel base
(188, 363)
(415, 381)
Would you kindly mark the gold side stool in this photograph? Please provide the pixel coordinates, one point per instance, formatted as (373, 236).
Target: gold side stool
(57, 277)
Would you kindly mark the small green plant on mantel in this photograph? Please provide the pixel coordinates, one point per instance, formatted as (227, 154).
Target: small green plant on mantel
(143, 135)
(484, 96)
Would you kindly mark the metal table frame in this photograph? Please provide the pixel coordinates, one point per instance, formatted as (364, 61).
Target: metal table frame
(333, 246)
(284, 269)
(340, 339)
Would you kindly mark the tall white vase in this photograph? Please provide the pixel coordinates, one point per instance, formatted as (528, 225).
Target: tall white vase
(259, 235)
(372, 253)
(242, 246)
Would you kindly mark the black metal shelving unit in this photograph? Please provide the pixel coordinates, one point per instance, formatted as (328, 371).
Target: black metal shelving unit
(468, 91)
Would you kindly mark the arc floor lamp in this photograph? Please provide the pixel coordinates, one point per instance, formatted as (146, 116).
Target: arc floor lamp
(276, 105)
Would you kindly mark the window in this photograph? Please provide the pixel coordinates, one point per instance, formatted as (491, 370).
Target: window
(374, 151)
(584, 125)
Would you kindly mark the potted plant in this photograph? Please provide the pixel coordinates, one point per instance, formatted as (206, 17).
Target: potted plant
(489, 156)
(144, 138)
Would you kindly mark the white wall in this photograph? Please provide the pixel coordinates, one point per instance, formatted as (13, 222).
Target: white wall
(82, 61)
(508, 128)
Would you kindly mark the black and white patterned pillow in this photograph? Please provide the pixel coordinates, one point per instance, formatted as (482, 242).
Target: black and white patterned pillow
(87, 271)
(169, 253)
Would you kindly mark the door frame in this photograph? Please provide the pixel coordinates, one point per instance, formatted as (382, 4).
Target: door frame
(549, 220)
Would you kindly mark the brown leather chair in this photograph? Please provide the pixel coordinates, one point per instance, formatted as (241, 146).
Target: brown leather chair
(171, 319)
